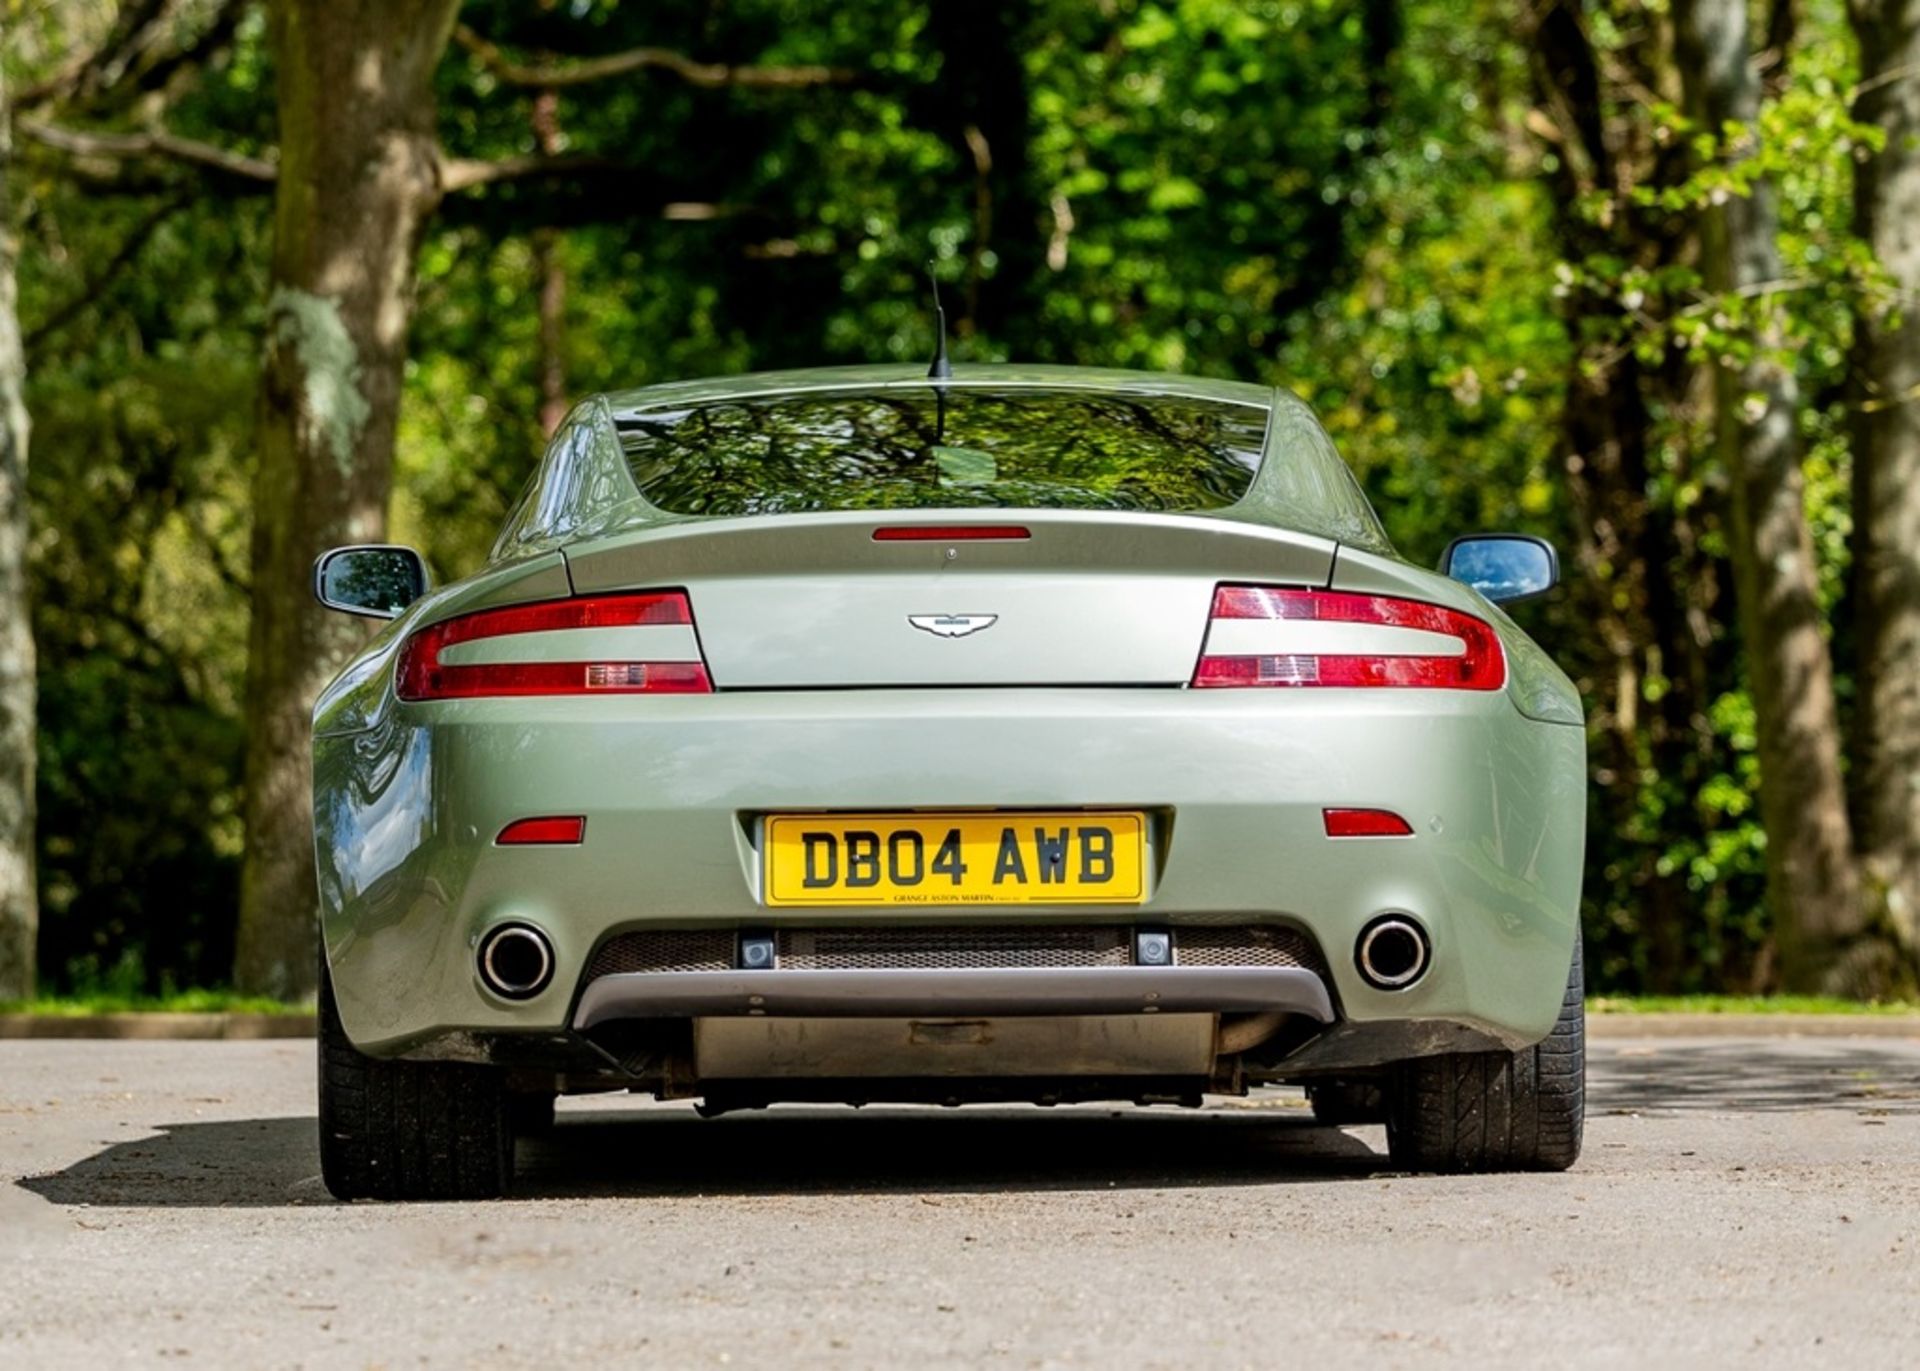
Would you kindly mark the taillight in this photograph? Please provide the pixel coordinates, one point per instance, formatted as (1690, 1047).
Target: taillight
(1267, 636)
(425, 674)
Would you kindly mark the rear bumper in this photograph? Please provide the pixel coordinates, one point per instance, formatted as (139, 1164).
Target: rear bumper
(1012, 991)
(673, 789)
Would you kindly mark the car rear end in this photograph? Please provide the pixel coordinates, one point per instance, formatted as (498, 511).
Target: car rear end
(947, 804)
(680, 775)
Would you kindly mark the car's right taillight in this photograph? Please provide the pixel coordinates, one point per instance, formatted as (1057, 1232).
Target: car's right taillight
(574, 654)
(1276, 636)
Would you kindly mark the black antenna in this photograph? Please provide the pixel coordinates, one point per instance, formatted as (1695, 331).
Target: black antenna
(941, 370)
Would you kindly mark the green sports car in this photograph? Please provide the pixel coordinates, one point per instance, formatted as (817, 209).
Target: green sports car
(1033, 734)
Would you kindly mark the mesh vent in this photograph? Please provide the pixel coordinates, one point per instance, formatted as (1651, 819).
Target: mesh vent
(1250, 945)
(933, 949)
(704, 949)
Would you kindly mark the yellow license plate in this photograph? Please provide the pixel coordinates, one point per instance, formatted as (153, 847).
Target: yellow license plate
(986, 859)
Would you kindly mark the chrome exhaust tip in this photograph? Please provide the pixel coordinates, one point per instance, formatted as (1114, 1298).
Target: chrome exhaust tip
(516, 961)
(1393, 952)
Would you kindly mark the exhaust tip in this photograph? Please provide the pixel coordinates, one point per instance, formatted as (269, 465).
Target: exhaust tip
(1393, 952)
(516, 961)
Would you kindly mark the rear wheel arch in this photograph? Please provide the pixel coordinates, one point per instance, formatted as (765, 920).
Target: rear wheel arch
(400, 1130)
(1496, 1111)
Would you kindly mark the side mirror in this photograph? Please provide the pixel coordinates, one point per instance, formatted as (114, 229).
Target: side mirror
(1504, 567)
(376, 580)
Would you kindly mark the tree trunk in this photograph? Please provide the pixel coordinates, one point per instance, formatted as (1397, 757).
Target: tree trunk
(980, 106)
(1812, 885)
(358, 177)
(19, 907)
(1886, 479)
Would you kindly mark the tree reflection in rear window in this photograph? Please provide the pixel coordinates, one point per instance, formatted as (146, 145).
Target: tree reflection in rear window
(913, 448)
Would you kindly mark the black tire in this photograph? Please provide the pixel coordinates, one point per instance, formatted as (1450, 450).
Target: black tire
(392, 1130)
(531, 1113)
(1344, 1104)
(1496, 1111)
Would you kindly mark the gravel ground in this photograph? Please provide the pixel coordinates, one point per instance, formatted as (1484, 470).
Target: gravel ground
(1742, 1202)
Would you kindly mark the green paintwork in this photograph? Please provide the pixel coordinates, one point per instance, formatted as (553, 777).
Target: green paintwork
(1074, 698)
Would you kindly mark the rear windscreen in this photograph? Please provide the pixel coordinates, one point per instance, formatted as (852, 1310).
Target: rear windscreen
(954, 447)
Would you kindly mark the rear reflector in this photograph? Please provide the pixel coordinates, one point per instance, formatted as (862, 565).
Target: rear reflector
(544, 831)
(950, 533)
(1481, 664)
(423, 676)
(1366, 823)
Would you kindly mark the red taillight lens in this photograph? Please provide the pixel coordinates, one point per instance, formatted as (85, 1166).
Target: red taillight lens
(552, 830)
(950, 533)
(1366, 823)
(1321, 660)
(424, 676)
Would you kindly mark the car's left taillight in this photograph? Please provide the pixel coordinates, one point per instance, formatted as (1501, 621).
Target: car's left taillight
(588, 646)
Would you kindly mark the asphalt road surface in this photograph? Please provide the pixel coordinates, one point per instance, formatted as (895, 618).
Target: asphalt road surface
(1741, 1203)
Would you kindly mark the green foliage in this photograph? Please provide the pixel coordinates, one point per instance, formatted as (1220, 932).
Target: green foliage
(1354, 200)
(140, 315)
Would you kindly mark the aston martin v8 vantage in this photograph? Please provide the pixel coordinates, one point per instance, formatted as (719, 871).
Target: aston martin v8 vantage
(1034, 734)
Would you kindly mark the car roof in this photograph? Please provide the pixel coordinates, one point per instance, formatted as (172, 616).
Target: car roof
(675, 394)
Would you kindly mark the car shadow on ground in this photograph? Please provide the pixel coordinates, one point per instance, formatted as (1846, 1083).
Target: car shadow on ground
(882, 1150)
(1754, 1077)
(599, 1149)
(787, 1151)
